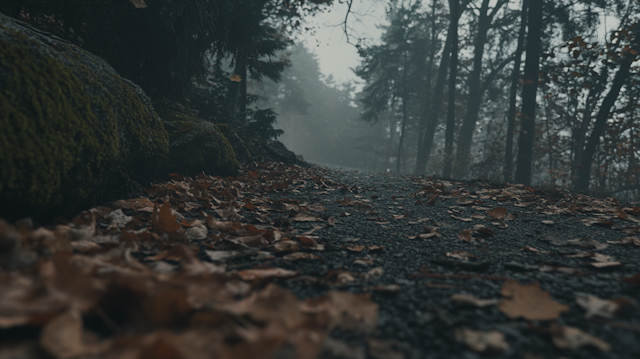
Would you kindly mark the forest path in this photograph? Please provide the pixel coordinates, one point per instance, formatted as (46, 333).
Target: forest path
(380, 266)
(451, 248)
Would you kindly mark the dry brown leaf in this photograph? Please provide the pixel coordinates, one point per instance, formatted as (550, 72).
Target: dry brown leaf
(465, 235)
(469, 300)
(163, 219)
(197, 232)
(139, 4)
(605, 264)
(375, 272)
(529, 301)
(253, 274)
(565, 337)
(298, 256)
(62, 336)
(301, 217)
(587, 242)
(135, 203)
(633, 280)
(355, 248)
(601, 308)
(461, 255)
(497, 213)
(482, 342)
(347, 311)
(285, 246)
(630, 240)
(222, 226)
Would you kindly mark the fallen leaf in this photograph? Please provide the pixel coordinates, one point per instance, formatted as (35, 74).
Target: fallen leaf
(221, 255)
(587, 242)
(285, 246)
(139, 4)
(630, 240)
(134, 204)
(482, 342)
(605, 264)
(465, 235)
(634, 280)
(461, 255)
(292, 257)
(375, 272)
(301, 217)
(601, 308)
(355, 248)
(163, 219)
(253, 274)
(62, 336)
(565, 337)
(497, 213)
(469, 300)
(529, 301)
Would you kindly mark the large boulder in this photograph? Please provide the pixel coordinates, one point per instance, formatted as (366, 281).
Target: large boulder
(70, 127)
(197, 146)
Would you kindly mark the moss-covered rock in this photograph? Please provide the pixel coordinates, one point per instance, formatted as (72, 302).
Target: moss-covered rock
(196, 146)
(70, 126)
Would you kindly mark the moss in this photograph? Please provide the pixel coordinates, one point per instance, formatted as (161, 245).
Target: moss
(62, 136)
(197, 145)
(242, 151)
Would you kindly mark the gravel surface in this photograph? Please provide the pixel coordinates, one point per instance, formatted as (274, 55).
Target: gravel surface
(413, 278)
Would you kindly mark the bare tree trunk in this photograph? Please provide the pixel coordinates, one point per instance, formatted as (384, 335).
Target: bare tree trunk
(529, 92)
(451, 106)
(405, 98)
(584, 169)
(424, 149)
(515, 84)
(463, 151)
(420, 156)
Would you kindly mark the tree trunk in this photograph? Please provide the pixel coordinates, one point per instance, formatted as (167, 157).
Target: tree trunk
(529, 92)
(465, 138)
(238, 89)
(424, 149)
(515, 83)
(425, 105)
(451, 106)
(584, 169)
(405, 98)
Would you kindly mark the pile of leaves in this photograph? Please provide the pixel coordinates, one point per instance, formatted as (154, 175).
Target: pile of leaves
(140, 279)
(199, 268)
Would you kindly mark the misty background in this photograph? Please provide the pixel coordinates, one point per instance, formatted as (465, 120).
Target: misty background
(357, 96)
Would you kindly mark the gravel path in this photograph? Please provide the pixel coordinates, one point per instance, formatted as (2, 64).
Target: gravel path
(420, 224)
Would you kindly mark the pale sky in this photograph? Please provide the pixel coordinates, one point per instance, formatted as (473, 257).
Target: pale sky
(329, 42)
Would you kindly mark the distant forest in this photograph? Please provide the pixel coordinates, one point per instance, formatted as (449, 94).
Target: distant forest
(537, 92)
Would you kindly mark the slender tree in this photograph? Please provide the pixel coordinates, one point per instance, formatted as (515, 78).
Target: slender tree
(630, 55)
(433, 117)
(463, 148)
(513, 93)
(451, 105)
(529, 93)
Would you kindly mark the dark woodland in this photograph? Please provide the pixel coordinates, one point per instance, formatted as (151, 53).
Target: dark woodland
(179, 179)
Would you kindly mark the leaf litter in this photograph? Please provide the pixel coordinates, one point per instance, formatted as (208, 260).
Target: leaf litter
(189, 271)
